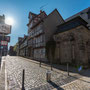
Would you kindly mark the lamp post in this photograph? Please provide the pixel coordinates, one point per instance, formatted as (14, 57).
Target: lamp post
(1, 54)
(2, 48)
(3, 40)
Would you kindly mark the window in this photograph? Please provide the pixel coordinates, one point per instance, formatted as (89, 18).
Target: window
(43, 38)
(40, 38)
(30, 25)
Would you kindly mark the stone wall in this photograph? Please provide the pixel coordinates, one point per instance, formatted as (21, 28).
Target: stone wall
(73, 46)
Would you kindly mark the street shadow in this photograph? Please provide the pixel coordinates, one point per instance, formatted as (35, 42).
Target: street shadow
(84, 81)
(64, 68)
(72, 69)
(83, 72)
(55, 85)
(79, 79)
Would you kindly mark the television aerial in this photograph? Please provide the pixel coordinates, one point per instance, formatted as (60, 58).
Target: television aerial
(42, 7)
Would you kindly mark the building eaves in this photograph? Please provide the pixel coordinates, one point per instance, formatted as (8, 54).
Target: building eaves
(75, 22)
(32, 14)
(77, 14)
(37, 16)
(24, 38)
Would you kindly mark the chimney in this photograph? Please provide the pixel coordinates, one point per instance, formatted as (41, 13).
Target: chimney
(41, 11)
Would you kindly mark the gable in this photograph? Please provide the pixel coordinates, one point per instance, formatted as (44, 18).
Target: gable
(31, 15)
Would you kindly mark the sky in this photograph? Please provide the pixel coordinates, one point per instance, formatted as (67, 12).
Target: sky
(19, 10)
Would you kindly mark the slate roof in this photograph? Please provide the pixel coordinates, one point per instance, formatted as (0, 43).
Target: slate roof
(78, 14)
(75, 22)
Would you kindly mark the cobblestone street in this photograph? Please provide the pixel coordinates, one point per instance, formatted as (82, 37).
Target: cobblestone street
(35, 76)
(80, 84)
(2, 75)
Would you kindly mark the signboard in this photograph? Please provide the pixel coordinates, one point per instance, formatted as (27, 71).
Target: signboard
(1, 47)
(5, 38)
(4, 43)
(4, 28)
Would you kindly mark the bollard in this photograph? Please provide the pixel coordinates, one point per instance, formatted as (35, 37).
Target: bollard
(68, 68)
(40, 63)
(23, 77)
(48, 76)
(51, 66)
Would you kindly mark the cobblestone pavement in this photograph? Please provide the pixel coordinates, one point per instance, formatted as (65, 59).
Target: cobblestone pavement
(2, 75)
(2, 81)
(80, 84)
(35, 76)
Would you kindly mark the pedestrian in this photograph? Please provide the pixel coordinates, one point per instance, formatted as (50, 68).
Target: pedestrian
(80, 68)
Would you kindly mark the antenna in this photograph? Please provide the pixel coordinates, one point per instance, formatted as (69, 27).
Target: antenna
(41, 8)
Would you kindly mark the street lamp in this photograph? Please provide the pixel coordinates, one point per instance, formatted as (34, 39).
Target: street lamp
(1, 54)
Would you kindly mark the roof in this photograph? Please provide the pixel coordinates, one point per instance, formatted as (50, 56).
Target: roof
(37, 18)
(47, 16)
(78, 14)
(57, 12)
(31, 14)
(75, 22)
(22, 39)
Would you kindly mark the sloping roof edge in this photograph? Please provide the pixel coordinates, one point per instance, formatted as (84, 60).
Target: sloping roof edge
(76, 18)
